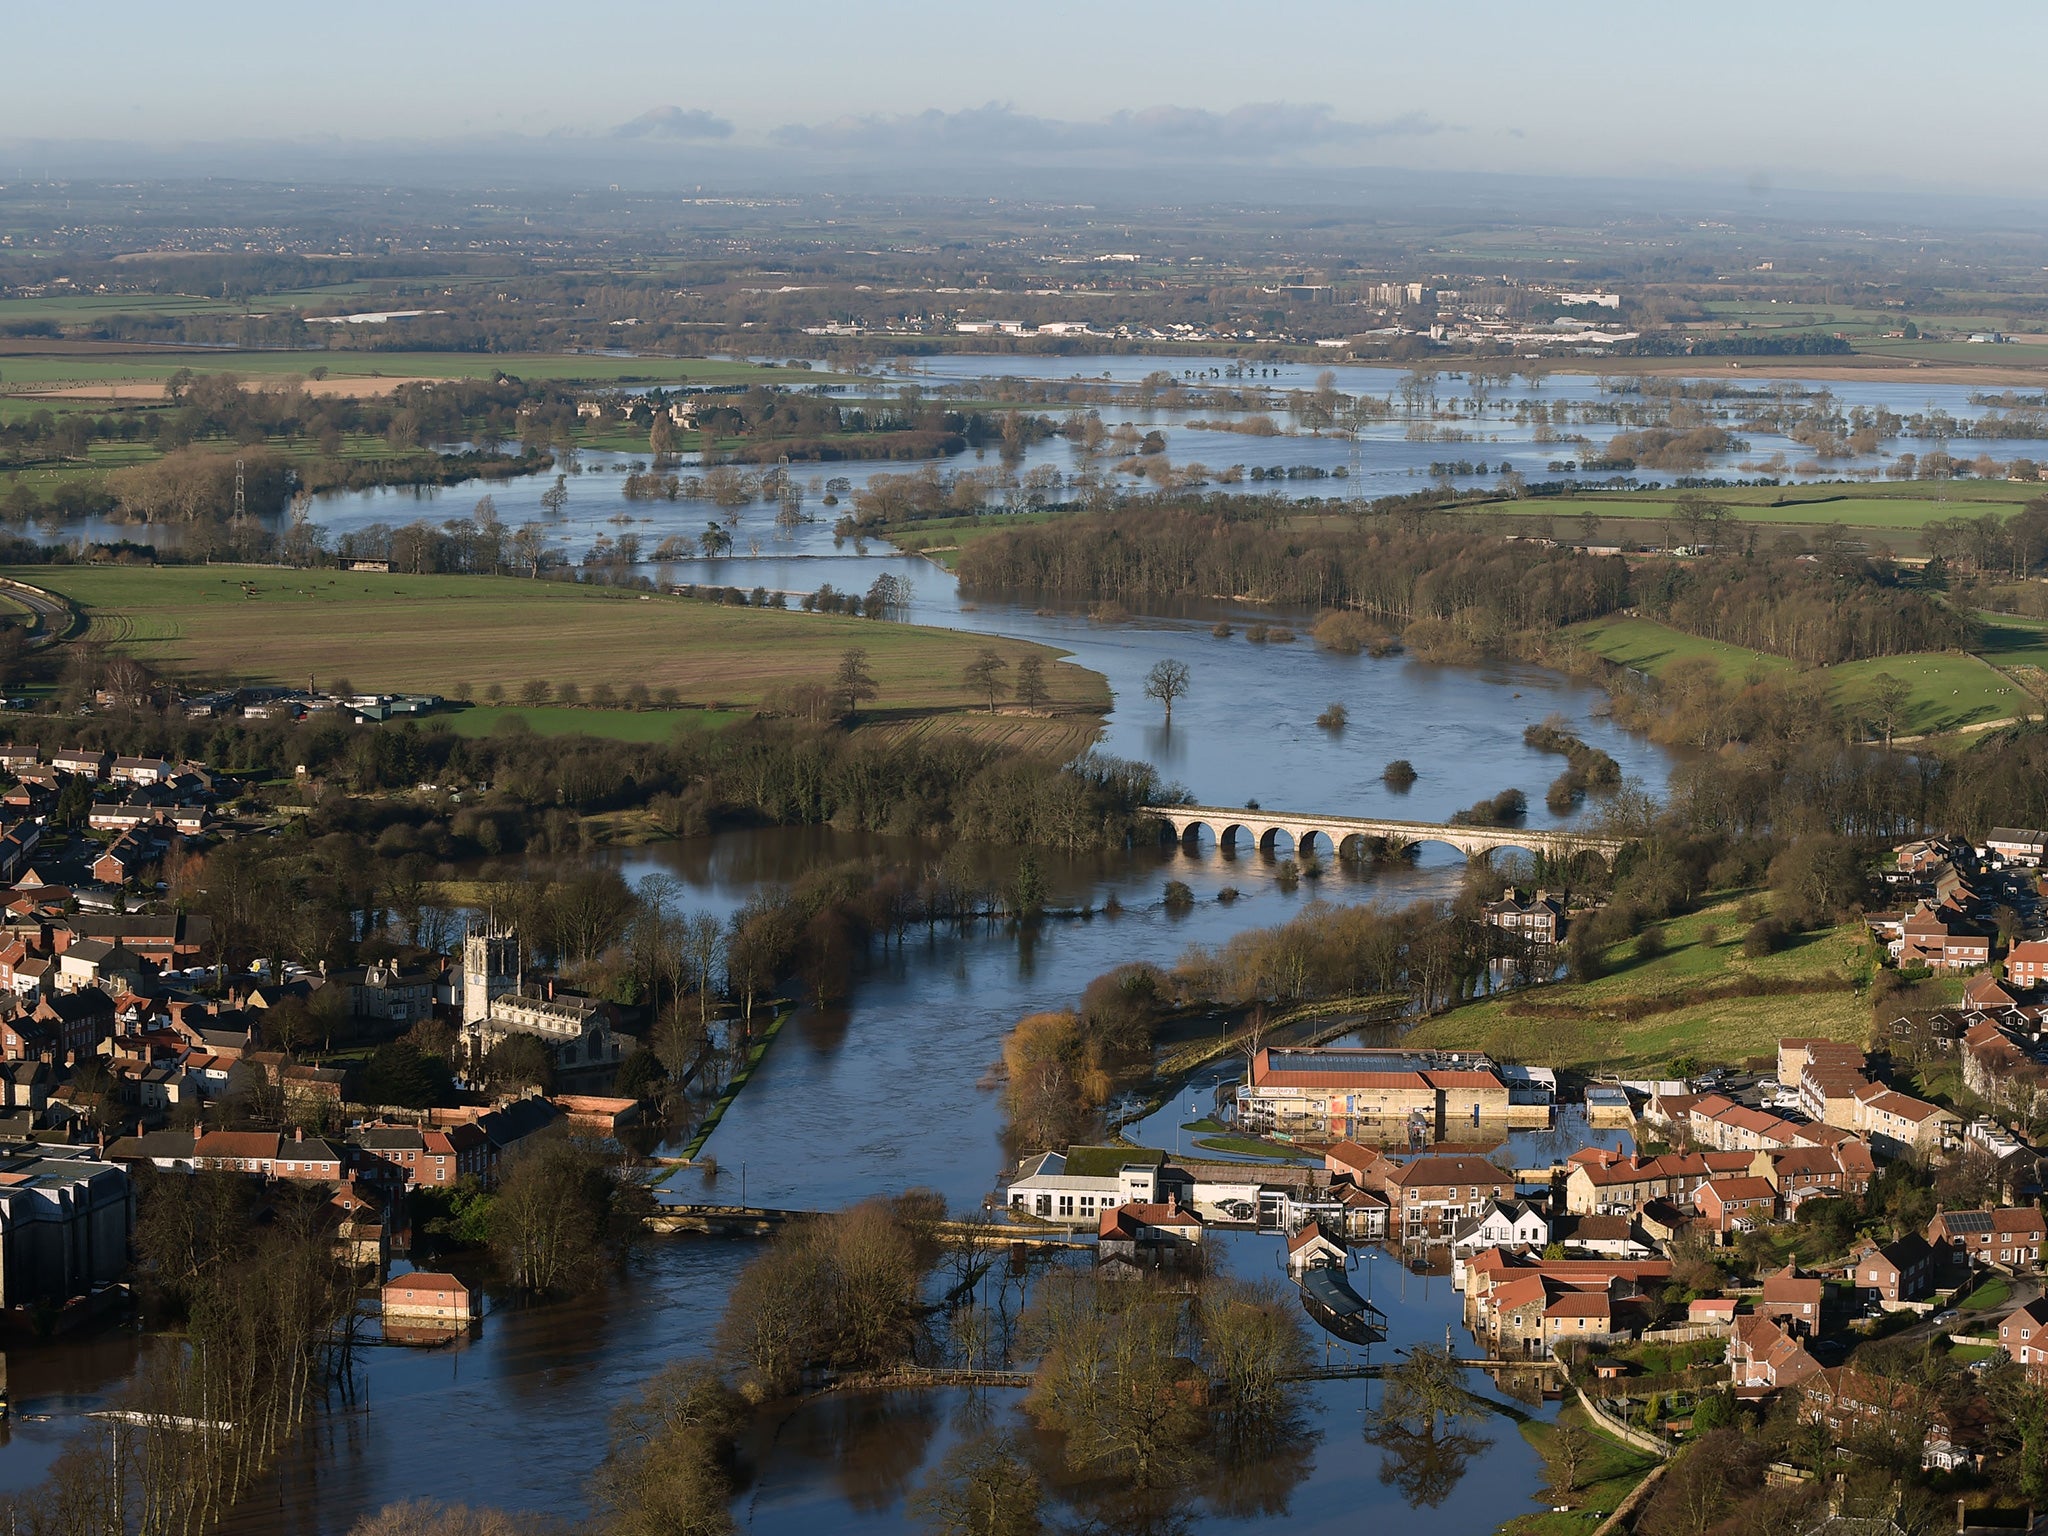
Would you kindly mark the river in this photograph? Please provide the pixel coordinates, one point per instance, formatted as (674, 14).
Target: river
(887, 1091)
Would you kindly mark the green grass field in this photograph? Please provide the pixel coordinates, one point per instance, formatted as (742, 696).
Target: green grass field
(2012, 641)
(97, 306)
(1582, 1027)
(942, 539)
(20, 371)
(1950, 690)
(1650, 647)
(441, 634)
(1610, 1474)
(1902, 507)
(611, 724)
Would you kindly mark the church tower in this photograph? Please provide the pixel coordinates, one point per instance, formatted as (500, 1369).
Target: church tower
(490, 969)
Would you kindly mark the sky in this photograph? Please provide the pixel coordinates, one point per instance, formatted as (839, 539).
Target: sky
(1797, 93)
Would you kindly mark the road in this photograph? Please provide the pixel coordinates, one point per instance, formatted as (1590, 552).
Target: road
(2025, 1288)
(52, 613)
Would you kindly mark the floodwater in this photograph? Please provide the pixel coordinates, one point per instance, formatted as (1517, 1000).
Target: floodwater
(1444, 424)
(888, 1092)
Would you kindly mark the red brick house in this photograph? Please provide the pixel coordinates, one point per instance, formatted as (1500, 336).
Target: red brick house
(2023, 1334)
(1816, 1173)
(1763, 1357)
(2027, 964)
(432, 1158)
(428, 1297)
(1792, 1301)
(2011, 1237)
(1431, 1195)
(1897, 1271)
(1728, 1202)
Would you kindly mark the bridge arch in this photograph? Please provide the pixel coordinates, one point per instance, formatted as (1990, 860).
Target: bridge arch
(1232, 836)
(1573, 854)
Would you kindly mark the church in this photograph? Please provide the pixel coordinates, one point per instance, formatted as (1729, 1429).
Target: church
(495, 1006)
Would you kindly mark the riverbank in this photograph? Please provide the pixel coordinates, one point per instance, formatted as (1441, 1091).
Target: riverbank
(716, 1113)
(1702, 997)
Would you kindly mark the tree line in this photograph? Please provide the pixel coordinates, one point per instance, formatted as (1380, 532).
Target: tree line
(1249, 547)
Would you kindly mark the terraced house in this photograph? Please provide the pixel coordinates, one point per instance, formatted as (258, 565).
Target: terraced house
(1432, 1196)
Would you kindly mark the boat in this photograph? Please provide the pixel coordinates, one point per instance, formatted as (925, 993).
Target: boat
(1328, 1298)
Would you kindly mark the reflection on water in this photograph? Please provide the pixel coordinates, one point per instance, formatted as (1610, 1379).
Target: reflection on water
(1424, 1466)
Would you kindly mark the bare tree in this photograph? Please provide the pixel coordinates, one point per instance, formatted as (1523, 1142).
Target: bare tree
(1166, 682)
(984, 675)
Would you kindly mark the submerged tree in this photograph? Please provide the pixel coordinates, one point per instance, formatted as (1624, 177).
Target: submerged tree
(1166, 682)
(984, 1487)
(1423, 1451)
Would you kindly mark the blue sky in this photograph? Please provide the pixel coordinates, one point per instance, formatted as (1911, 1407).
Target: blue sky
(1794, 93)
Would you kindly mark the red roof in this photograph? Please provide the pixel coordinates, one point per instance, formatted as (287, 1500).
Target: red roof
(436, 1282)
(1126, 1219)
(1307, 1237)
(1429, 1171)
(1519, 1292)
(1787, 1285)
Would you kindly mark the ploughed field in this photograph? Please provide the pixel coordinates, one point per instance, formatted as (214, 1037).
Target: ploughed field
(440, 634)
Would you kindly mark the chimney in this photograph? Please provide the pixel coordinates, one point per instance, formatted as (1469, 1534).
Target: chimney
(298, 1133)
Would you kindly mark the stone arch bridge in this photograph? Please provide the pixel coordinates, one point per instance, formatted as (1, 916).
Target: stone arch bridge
(1262, 828)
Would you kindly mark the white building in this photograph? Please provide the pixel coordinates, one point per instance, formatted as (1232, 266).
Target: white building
(1074, 1187)
(1510, 1224)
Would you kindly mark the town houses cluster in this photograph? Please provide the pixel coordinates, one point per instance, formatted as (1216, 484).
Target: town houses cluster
(1598, 1251)
(125, 1040)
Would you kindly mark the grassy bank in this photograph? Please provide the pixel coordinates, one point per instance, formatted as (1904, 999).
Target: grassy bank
(609, 724)
(1950, 689)
(1610, 1474)
(732, 1089)
(455, 635)
(1895, 507)
(1684, 1002)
